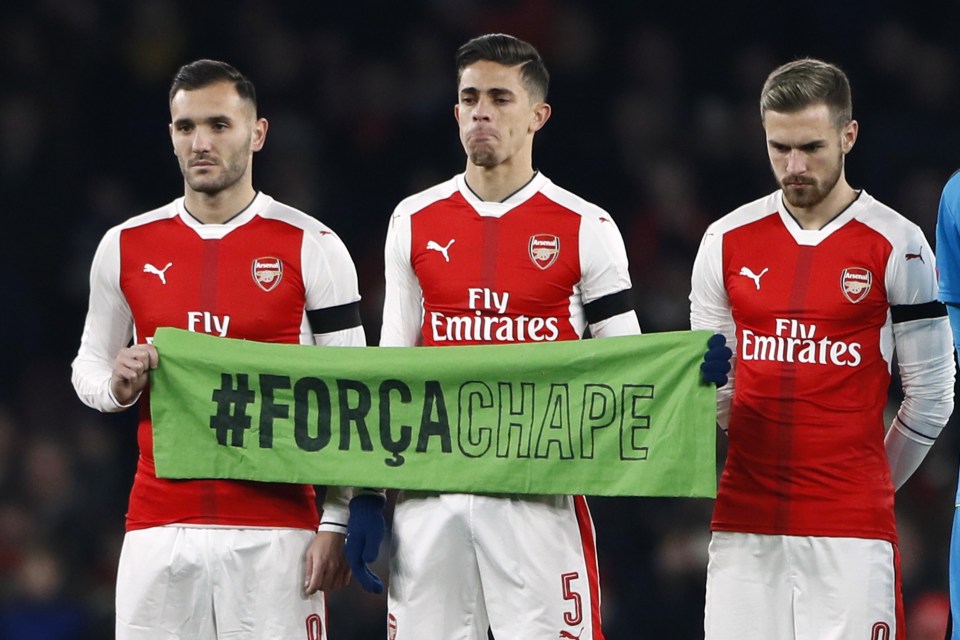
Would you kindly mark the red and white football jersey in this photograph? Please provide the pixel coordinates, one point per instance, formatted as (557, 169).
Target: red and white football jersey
(271, 274)
(538, 267)
(812, 313)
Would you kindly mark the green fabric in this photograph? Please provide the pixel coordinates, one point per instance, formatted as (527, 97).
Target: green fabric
(623, 416)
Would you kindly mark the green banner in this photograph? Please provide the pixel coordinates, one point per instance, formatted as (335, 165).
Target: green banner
(623, 416)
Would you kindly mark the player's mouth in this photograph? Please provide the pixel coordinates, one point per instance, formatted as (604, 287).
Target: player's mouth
(482, 135)
(202, 161)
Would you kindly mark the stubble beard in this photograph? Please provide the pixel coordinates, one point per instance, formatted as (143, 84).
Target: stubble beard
(483, 157)
(209, 185)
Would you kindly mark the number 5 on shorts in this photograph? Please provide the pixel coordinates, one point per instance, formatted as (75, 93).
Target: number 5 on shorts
(575, 616)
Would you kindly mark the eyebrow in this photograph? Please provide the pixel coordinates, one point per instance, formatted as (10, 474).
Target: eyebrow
(804, 145)
(492, 90)
(208, 120)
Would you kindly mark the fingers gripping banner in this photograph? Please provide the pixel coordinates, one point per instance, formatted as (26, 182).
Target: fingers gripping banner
(623, 416)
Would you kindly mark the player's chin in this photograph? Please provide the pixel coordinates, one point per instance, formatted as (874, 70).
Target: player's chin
(484, 157)
(205, 184)
(802, 196)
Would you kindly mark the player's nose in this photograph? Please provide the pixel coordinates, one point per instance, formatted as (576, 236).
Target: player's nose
(483, 110)
(201, 141)
(796, 162)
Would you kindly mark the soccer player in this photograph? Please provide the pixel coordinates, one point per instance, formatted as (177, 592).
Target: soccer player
(206, 559)
(948, 256)
(815, 286)
(499, 254)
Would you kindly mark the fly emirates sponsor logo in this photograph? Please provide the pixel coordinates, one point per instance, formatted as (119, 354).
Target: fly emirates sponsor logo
(798, 342)
(490, 322)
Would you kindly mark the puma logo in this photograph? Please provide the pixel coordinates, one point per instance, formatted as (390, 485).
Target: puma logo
(161, 273)
(745, 271)
(431, 245)
(916, 256)
(569, 636)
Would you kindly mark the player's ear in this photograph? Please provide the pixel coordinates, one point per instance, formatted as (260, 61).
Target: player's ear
(541, 113)
(259, 134)
(848, 136)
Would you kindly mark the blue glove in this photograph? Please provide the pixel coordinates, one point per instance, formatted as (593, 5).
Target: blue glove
(365, 531)
(716, 361)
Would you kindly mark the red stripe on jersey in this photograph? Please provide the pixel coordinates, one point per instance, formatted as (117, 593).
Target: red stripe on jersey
(209, 274)
(588, 540)
(491, 248)
(788, 389)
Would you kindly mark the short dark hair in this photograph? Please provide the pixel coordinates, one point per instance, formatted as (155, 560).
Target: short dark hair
(203, 73)
(507, 50)
(805, 82)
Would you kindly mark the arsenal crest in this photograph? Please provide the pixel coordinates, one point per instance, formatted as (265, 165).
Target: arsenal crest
(855, 283)
(267, 272)
(544, 249)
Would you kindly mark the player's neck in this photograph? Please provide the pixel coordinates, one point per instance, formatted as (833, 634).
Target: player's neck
(819, 215)
(217, 208)
(496, 184)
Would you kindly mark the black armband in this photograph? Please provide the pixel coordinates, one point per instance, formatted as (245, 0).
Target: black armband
(609, 306)
(330, 319)
(907, 312)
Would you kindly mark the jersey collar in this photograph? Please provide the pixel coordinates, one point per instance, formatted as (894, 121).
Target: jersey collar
(216, 231)
(813, 237)
(499, 209)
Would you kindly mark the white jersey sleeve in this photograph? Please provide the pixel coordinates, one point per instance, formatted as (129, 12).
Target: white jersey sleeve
(924, 348)
(606, 277)
(403, 298)
(108, 329)
(330, 280)
(710, 309)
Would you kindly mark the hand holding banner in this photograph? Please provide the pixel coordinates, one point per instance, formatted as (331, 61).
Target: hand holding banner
(625, 416)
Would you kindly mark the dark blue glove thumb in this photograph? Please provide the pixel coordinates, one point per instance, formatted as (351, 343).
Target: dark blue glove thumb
(716, 361)
(365, 531)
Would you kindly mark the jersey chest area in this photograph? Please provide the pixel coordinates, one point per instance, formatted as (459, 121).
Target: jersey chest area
(526, 262)
(247, 284)
(779, 287)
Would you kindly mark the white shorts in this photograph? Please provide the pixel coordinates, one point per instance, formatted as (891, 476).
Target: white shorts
(802, 588)
(216, 583)
(524, 566)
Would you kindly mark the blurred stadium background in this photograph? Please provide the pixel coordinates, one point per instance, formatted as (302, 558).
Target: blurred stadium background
(655, 119)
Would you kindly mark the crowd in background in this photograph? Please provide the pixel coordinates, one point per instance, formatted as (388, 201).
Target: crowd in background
(655, 119)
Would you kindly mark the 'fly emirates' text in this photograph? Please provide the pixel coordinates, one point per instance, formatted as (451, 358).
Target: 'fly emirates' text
(496, 327)
(797, 342)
